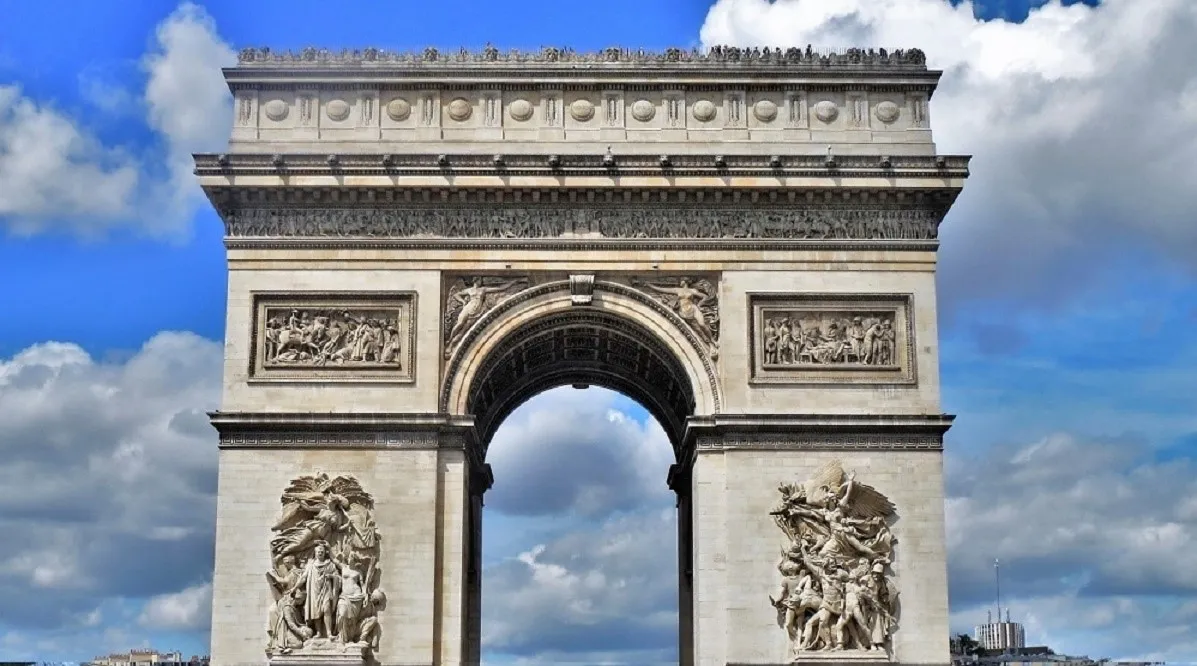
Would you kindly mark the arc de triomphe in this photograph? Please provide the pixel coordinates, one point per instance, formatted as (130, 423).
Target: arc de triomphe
(744, 241)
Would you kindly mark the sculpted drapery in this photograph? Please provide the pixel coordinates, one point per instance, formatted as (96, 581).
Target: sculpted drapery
(324, 574)
(835, 593)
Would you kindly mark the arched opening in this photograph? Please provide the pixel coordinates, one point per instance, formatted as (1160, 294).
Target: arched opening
(636, 374)
(589, 347)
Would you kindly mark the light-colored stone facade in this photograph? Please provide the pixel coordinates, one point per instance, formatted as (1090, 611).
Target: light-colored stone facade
(620, 219)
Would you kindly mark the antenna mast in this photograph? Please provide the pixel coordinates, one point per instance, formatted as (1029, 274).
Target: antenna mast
(997, 581)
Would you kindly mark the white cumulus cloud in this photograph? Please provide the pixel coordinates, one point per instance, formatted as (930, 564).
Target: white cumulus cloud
(56, 174)
(109, 479)
(190, 608)
(1082, 122)
(49, 167)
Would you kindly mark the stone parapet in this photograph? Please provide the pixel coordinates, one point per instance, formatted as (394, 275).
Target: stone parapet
(355, 100)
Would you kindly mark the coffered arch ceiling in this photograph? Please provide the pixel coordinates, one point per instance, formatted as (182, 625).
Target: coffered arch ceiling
(581, 347)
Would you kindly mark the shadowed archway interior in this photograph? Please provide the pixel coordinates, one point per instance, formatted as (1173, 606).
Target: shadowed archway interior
(584, 347)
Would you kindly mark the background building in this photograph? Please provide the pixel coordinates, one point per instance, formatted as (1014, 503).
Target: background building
(147, 657)
(1001, 635)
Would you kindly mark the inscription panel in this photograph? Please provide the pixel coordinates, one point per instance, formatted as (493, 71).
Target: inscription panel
(333, 337)
(832, 339)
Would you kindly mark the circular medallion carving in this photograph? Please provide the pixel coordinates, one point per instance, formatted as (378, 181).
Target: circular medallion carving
(582, 110)
(460, 109)
(275, 109)
(887, 112)
(826, 111)
(398, 109)
(764, 110)
(704, 110)
(521, 109)
(643, 110)
(338, 109)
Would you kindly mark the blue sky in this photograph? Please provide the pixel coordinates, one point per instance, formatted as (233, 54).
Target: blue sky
(1069, 302)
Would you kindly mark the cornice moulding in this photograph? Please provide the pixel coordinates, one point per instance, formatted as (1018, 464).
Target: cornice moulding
(948, 167)
(238, 422)
(933, 424)
(523, 79)
(575, 245)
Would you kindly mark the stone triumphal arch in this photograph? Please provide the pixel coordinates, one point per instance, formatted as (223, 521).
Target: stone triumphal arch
(744, 241)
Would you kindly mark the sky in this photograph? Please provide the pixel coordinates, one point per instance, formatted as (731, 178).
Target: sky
(1068, 298)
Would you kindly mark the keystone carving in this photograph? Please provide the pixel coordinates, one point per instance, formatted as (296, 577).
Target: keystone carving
(836, 593)
(325, 576)
(581, 289)
(469, 298)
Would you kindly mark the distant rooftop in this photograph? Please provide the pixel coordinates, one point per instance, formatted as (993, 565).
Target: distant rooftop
(490, 56)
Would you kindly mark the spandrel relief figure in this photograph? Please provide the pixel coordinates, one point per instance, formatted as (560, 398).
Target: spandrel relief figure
(695, 301)
(835, 594)
(325, 576)
(468, 300)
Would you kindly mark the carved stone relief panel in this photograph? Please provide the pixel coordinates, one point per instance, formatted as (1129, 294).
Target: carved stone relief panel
(796, 109)
(553, 108)
(832, 339)
(307, 108)
(767, 111)
(695, 299)
(613, 114)
(858, 110)
(334, 337)
(520, 107)
(245, 110)
(583, 109)
(468, 297)
(429, 109)
(324, 574)
(836, 592)
(338, 109)
(916, 105)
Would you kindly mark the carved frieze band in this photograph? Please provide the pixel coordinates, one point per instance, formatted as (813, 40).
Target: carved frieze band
(495, 222)
(846, 339)
(333, 337)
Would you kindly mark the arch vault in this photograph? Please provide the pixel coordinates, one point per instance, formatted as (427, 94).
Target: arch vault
(743, 241)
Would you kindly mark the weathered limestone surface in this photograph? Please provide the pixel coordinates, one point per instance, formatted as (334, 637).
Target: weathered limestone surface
(743, 241)
(408, 487)
(734, 626)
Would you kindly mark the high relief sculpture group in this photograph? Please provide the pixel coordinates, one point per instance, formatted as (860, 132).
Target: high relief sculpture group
(325, 575)
(835, 593)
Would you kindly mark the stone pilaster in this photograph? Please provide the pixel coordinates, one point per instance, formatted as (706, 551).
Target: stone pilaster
(739, 463)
